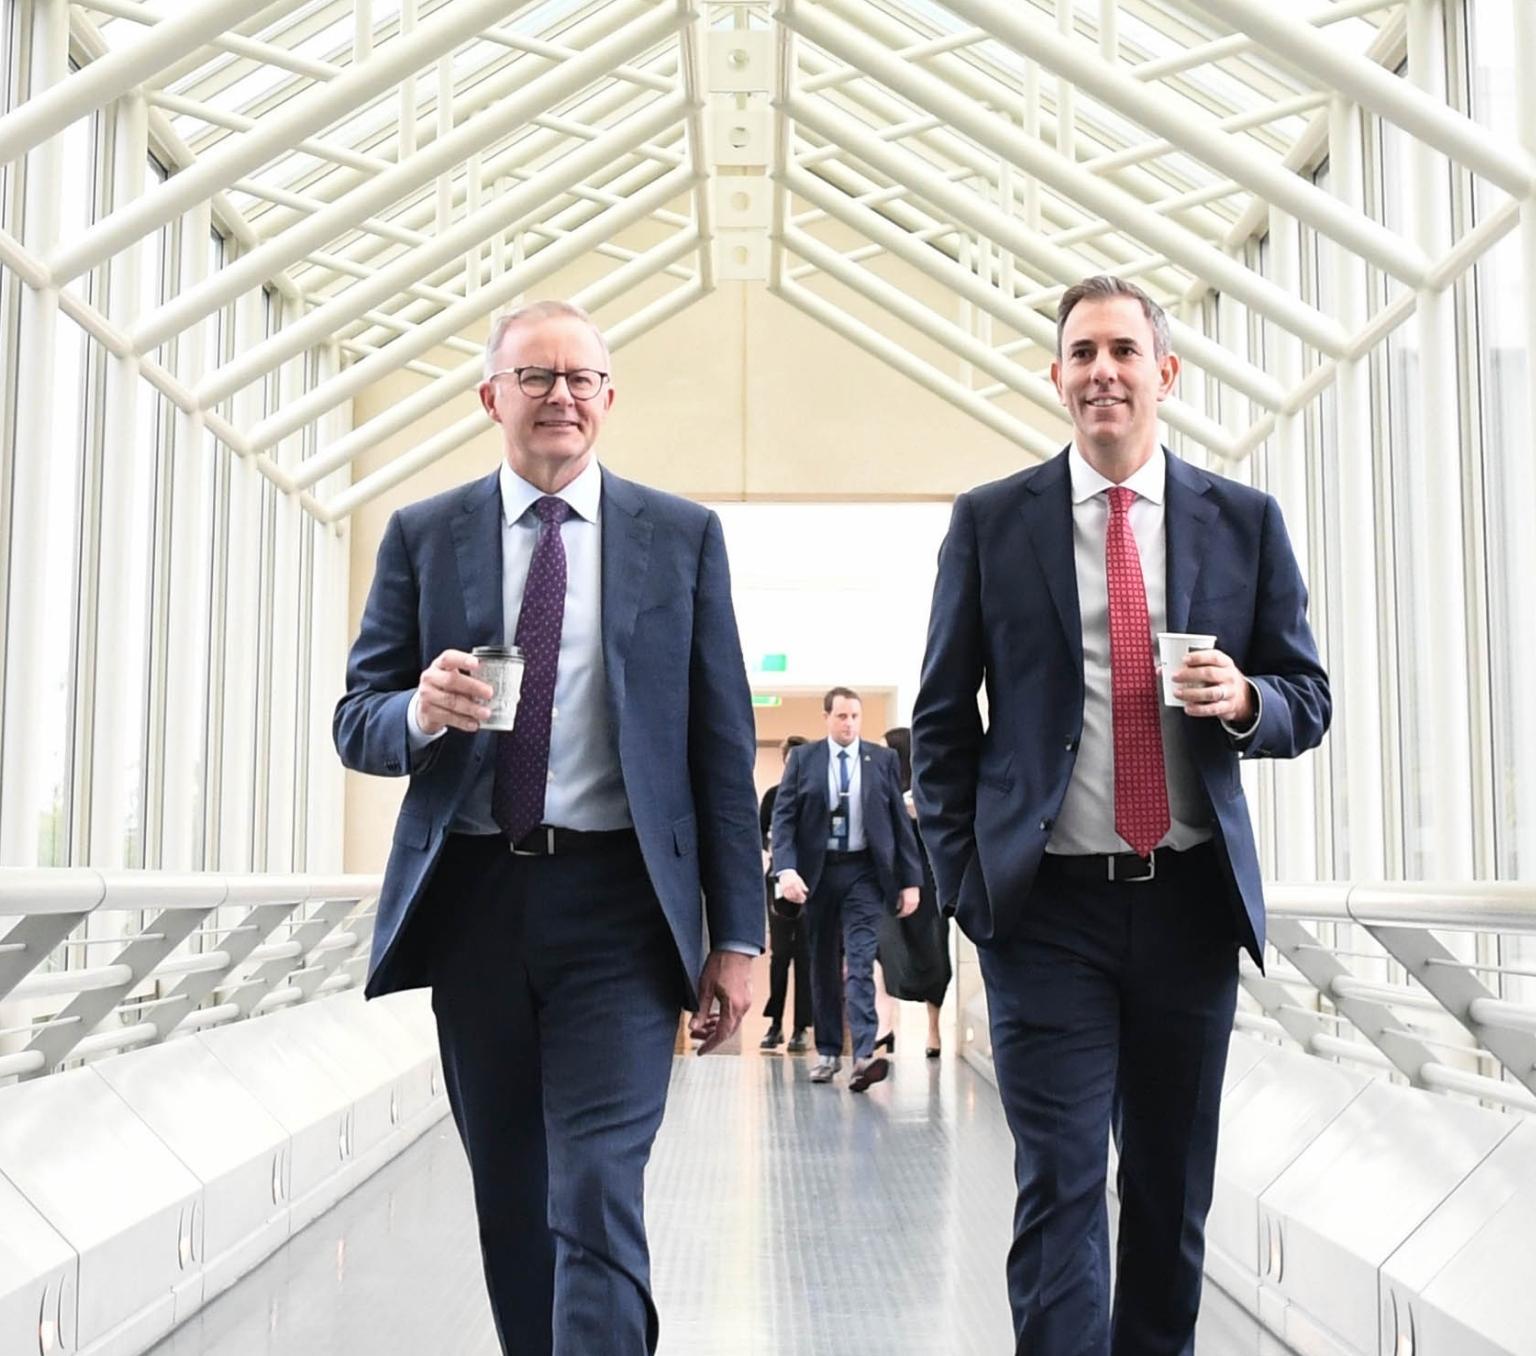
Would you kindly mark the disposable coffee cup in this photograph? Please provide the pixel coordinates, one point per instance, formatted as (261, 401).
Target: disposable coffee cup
(502, 667)
(1172, 646)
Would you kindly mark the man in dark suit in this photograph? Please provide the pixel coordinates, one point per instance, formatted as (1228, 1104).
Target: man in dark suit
(1094, 842)
(843, 847)
(547, 881)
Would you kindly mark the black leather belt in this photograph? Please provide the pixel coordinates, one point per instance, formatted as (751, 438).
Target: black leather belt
(1122, 867)
(835, 855)
(548, 840)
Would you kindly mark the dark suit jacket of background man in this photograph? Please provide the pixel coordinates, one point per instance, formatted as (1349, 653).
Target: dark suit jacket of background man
(802, 817)
(1005, 613)
(677, 695)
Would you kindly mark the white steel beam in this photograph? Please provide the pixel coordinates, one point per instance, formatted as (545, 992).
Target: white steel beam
(1068, 178)
(915, 369)
(305, 114)
(1312, 56)
(465, 377)
(51, 110)
(354, 209)
(964, 283)
(388, 281)
(267, 53)
(472, 309)
(966, 207)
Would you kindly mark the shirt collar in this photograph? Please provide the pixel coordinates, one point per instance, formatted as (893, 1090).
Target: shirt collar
(583, 494)
(834, 748)
(1148, 482)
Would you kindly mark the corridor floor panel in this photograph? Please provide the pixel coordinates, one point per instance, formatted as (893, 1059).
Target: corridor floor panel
(786, 1219)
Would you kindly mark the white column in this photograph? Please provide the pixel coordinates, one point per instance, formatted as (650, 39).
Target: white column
(1520, 476)
(1443, 660)
(1295, 805)
(1355, 662)
(21, 736)
(127, 463)
(185, 779)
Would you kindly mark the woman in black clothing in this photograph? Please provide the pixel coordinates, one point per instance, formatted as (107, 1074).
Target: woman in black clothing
(788, 939)
(914, 951)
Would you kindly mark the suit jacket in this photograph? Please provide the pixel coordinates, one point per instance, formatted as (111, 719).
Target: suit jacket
(1005, 614)
(677, 695)
(802, 817)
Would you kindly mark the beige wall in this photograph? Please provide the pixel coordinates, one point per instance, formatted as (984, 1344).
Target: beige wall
(738, 397)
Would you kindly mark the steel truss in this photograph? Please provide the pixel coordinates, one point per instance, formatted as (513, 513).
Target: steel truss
(399, 172)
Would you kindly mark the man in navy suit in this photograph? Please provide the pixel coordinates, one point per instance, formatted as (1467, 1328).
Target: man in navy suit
(547, 881)
(1094, 842)
(843, 847)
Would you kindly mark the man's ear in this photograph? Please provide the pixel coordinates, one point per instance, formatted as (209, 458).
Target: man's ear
(1168, 370)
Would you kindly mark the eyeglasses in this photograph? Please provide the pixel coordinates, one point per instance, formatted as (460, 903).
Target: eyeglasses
(537, 382)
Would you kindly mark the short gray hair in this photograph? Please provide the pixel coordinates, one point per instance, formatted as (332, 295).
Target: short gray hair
(1104, 287)
(537, 310)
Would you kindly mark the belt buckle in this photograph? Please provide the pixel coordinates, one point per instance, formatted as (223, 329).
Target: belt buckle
(549, 844)
(1135, 880)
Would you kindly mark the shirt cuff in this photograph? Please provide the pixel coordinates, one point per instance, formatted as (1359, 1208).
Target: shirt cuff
(740, 948)
(419, 739)
(1242, 736)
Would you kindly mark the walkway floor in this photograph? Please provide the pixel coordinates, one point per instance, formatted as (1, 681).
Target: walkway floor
(786, 1219)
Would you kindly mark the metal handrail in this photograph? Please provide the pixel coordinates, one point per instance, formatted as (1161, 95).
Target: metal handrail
(1404, 919)
(295, 938)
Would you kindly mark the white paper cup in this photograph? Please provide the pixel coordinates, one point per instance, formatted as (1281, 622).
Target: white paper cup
(502, 667)
(1172, 646)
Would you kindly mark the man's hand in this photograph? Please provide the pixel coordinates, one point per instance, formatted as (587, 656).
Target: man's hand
(792, 887)
(1210, 685)
(447, 697)
(725, 994)
(906, 902)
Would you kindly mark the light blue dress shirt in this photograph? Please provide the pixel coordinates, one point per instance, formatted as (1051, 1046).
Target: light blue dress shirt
(856, 842)
(586, 786)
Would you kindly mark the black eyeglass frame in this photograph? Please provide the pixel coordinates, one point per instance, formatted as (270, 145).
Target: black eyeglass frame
(554, 375)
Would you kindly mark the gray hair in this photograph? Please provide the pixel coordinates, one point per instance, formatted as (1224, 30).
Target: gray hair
(1103, 287)
(537, 310)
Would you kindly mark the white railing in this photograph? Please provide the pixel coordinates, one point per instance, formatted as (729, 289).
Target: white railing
(1421, 979)
(92, 962)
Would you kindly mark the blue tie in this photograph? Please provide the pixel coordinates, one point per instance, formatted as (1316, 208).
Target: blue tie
(846, 822)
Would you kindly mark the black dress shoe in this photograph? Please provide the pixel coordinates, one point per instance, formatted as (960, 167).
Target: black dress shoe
(887, 1043)
(772, 1038)
(869, 1071)
(932, 1052)
(796, 1044)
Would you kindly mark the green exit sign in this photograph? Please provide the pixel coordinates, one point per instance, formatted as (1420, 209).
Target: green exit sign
(766, 699)
(774, 663)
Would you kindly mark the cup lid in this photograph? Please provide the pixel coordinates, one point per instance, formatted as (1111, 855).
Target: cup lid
(496, 652)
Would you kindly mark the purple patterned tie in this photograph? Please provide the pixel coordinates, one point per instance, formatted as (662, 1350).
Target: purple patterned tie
(522, 753)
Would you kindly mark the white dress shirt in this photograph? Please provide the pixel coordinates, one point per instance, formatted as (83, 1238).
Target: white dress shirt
(586, 786)
(1086, 822)
(856, 841)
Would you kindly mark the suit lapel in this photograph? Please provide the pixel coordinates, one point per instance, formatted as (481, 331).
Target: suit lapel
(1047, 511)
(1186, 518)
(626, 551)
(866, 780)
(477, 547)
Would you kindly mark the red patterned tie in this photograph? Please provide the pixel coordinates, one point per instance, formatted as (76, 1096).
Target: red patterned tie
(1141, 786)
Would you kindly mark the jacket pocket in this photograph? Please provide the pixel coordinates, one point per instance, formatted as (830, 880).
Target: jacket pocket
(684, 836)
(412, 830)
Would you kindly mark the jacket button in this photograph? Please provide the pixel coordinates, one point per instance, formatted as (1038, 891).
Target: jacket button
(1046, 824)
(1072, 745)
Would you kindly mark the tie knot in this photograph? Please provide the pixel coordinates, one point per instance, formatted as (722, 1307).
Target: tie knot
(551, 510)
(844, 755)
(1120, 499)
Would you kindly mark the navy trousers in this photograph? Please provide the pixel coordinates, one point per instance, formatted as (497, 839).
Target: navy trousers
(1110, 1008)
(844, 916)
(789, 942)
(557, 989)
